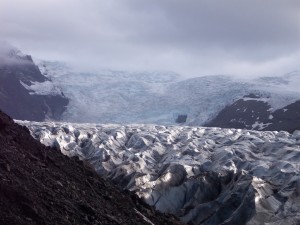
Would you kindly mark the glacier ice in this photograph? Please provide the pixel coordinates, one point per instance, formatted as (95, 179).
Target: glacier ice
(202, 175)
(156, 97)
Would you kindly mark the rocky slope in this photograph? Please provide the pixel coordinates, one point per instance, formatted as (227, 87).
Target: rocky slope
(17, 73)
(202, 175)
(254, 113)
(39, 185)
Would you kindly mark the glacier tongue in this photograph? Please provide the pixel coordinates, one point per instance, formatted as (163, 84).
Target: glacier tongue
(202, 175)
(159, 97)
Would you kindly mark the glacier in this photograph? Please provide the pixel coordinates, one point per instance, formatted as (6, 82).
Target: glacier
(202, 175)
(108, 96)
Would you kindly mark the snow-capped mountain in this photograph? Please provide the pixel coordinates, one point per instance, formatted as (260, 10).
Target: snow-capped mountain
(202, 175)
(167, 98)
(252, 112)
(18, 74)
(275, 105)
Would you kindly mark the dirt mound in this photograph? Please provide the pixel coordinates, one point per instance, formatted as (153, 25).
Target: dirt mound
(39, 185)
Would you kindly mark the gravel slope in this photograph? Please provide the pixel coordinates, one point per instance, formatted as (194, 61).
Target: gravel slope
(39, 185)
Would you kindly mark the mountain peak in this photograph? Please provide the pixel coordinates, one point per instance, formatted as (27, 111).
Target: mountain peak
(11, 54)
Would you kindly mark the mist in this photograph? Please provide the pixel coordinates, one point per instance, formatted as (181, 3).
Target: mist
(193, 38)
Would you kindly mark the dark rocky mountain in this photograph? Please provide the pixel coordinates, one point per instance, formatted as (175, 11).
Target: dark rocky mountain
(39, 185)
(17, 70)
(251, 112)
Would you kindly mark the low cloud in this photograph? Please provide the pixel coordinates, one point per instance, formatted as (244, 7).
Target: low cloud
(246, 38)
(9, 55)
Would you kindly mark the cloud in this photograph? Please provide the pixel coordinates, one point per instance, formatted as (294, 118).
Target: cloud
(9, 55)
(249, 38)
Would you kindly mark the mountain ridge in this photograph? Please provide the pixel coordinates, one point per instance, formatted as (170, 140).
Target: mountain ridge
(17, 71)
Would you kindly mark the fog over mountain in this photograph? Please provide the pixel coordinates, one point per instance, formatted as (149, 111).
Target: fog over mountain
(193, 38)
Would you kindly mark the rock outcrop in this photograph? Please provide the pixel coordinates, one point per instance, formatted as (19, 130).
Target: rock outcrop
(17, 73)
(252, 112)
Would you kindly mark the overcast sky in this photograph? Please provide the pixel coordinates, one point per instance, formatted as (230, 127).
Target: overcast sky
(191, 37)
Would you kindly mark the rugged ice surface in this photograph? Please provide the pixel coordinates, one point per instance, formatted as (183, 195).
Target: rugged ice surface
(156, 97)
(202, 175)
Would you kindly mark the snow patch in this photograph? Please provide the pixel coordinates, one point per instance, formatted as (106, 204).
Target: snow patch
(260, 126)
(42, 88)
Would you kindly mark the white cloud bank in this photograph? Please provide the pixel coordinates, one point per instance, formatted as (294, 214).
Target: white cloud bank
(246, 38)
